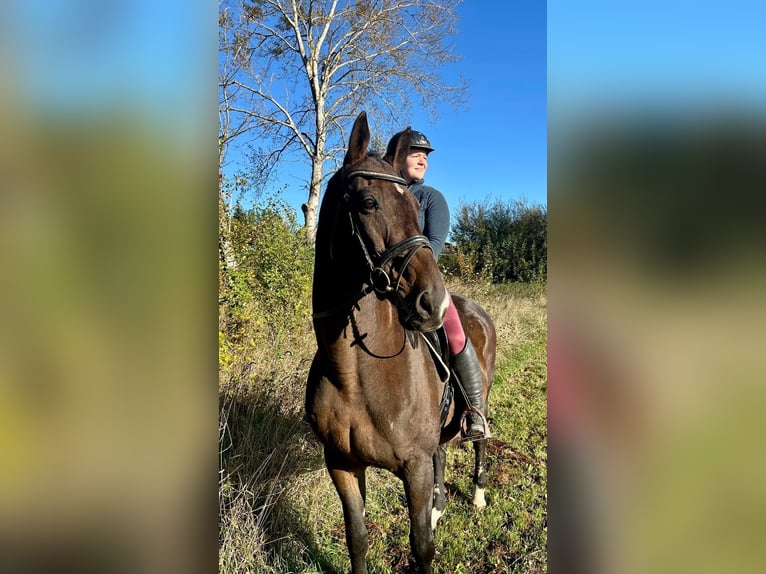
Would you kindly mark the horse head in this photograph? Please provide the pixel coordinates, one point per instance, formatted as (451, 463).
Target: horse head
(387, 246)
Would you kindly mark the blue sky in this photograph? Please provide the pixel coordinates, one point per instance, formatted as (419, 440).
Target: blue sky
(75, 57)
(78, 58)
(672, 55)
(159, 59)
(495, 147)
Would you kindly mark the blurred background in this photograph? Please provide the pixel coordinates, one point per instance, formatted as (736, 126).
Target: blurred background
(657, 176)
(108, 404)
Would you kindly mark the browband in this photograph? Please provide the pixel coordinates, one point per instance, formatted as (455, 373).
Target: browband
(376, 175)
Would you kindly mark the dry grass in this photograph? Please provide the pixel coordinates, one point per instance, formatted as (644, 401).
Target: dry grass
(279, 512)
(519, 310)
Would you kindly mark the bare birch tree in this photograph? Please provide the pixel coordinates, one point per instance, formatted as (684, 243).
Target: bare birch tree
(294, 73)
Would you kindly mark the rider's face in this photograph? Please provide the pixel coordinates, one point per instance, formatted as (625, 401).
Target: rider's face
(415, 165)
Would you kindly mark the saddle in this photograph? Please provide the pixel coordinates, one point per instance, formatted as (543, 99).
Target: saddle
(439, 347)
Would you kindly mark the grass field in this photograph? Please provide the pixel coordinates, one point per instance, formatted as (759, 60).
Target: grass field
(279, 512)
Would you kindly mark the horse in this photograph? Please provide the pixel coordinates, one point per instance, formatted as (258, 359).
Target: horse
(374, 391)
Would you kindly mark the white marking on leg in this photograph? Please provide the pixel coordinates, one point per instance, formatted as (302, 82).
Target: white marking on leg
(435, 516)
(478, 498)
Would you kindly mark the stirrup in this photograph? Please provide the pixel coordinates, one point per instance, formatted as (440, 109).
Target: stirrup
(464, 436)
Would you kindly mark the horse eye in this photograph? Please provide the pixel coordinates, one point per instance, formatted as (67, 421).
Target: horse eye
(369, 203)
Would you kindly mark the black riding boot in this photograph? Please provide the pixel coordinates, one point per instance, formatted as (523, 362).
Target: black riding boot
(466, 365)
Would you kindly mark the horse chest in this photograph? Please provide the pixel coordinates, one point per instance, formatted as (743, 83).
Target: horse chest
(378, 422)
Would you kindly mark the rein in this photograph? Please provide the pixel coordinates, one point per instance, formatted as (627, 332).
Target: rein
(380, 281)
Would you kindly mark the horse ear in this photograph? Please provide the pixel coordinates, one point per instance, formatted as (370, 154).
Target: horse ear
(358, 142)
(398, 149)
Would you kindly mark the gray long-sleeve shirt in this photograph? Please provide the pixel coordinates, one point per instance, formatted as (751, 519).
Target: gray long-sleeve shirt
(433, 216)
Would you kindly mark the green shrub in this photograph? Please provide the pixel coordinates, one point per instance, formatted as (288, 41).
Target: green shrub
(500, 241)
(265, 297)
(265, 348)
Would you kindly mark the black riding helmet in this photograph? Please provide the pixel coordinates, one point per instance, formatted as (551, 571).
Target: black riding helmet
(417, 139)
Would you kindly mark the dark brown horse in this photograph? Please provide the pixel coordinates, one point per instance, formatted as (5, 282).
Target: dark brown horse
(374, 391)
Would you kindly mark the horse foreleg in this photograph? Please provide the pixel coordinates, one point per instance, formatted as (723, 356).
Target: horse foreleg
(418, 478)
(440, 498)
(480, 473)
(351, 488)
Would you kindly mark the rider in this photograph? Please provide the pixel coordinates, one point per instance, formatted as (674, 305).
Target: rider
(434, 220)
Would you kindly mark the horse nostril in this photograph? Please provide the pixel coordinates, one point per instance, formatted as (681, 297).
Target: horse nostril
(423, 305)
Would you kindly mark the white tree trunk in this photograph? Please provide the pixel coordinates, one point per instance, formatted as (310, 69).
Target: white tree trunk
(311, 207)
(224, 229)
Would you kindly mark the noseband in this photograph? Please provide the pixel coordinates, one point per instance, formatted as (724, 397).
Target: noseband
(380, 280)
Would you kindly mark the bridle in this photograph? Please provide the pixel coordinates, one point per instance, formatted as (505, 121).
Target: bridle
(380, 281)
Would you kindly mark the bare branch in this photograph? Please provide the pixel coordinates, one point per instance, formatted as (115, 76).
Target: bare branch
(295, 72)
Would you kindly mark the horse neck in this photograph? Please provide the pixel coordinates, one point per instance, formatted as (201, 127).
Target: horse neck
(364, 342)
(336, 283)
(368, 332)
(340, 273)
(349, 309)
(341, 280)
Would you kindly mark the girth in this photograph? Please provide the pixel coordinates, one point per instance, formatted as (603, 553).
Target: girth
(439, 348)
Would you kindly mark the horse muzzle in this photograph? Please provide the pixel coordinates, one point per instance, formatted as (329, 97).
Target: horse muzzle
(426, 308)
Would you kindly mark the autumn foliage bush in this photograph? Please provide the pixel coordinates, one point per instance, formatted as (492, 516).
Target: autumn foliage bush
(264, 289)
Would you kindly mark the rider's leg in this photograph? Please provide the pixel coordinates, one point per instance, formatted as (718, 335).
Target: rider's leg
(466, 365)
